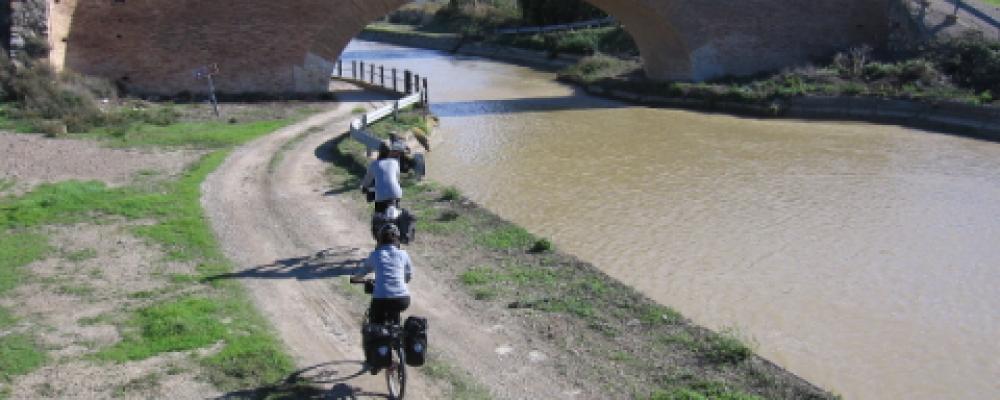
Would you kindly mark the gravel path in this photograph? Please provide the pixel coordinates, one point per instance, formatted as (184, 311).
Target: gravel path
(274, 221)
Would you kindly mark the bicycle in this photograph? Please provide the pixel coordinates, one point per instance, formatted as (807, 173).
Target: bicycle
(395, 373)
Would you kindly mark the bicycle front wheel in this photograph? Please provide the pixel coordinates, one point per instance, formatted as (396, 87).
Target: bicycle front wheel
(395, 375)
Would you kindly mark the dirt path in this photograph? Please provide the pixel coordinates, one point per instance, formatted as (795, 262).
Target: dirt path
(274, 218)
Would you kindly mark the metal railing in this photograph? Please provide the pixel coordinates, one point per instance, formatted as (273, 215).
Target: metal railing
(594, 23)
(412, 87)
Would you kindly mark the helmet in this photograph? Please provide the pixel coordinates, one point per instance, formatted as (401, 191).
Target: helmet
(388, 233)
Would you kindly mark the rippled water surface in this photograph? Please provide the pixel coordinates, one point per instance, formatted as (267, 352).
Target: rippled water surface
(865, 258)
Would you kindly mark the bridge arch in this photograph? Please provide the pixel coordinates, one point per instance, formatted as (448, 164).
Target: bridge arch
(270, 46)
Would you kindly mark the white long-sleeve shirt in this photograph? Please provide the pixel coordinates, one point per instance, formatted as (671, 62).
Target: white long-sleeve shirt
(392, 267)
(384, 175)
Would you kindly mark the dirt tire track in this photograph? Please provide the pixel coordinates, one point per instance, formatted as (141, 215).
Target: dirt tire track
(263, 214)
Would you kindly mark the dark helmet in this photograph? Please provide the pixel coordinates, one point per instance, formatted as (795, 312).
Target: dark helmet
(388, 233)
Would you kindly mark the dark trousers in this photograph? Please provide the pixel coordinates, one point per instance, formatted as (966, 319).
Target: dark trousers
(380, 206)
(386, 311)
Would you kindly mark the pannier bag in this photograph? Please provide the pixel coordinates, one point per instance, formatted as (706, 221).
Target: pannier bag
(376, 340)
(415, 340)
(404, 220)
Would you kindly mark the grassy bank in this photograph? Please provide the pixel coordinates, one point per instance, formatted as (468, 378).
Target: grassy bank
(610, 334)
(226, 341)
(915, 79)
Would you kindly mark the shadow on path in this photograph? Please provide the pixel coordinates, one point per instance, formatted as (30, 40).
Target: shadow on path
(328, 263)
(309, 383)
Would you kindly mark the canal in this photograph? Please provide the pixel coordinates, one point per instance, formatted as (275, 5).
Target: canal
(864, 258)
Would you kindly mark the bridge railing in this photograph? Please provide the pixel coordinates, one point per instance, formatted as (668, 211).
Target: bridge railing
(410, 86)
(594, 23)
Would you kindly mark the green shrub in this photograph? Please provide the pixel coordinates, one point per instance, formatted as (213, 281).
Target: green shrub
(451, 193)
(415, 14)
(541, 246)
(725, 347)
(599, 66)
(971, 61)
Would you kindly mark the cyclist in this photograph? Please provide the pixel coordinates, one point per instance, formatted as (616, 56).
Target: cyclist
(383, 175)
(393, 270)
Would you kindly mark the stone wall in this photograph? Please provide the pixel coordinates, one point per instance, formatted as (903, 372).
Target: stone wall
(28, 27)
(289, 46)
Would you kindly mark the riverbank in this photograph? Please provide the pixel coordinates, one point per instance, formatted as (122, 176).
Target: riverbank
(948, 116)
(604, 335)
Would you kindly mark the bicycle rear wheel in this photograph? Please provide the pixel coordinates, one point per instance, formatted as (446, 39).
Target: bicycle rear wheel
(395, 375)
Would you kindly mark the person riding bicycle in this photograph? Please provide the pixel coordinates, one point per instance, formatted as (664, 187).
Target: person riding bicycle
(383, 175)
(393, 270)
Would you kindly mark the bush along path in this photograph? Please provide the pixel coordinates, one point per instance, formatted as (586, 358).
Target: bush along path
(603, 337)
(102, 288)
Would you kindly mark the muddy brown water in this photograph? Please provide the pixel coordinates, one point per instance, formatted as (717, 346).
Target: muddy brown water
(864, 258)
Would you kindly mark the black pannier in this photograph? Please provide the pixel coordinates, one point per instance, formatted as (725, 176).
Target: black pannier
(406, 222)
(376, 340)
(415, 340)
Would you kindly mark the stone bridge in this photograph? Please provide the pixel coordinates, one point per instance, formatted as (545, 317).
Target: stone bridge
(289, 46)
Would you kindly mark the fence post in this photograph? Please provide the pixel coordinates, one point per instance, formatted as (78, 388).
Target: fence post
(371, 74)
(395, 86)
(427, 97)
(381, 74)
(407, 82)
(364, 121)
(416, 83)
(395, 110)
(340, 68)
(361, 71)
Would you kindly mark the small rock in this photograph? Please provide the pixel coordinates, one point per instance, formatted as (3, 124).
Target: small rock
(536, 356)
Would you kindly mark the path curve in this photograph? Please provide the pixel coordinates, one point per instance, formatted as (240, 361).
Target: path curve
(293, 240)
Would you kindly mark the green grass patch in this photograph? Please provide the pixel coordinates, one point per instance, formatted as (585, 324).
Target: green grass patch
(19, 355)
(181, 229)
(6, 184)
(462, 385)
(16, 251)
(406, 120)
(506, 238)
(251, 358)
(451, 193)
(479, 276)
(250, 354)
(6, 318)
(726, 347)
(204, 135)
(184, 324)
(703, 391)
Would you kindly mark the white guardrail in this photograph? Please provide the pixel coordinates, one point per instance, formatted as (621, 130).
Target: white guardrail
(411, 86)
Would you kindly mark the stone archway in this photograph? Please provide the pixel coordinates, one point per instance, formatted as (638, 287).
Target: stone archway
(289, 46)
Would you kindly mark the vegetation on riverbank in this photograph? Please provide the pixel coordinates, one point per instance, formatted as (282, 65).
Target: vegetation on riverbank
(965, 70)
(603, 331)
